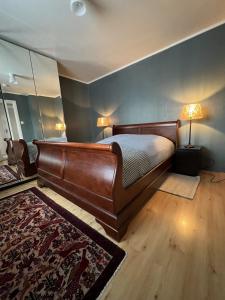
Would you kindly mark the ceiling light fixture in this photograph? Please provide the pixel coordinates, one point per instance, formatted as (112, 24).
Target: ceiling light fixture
(12, 78)
(78, 7)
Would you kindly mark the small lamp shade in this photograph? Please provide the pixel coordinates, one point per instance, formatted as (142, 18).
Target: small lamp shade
(60, 126)
(103, 122)
(192, 112)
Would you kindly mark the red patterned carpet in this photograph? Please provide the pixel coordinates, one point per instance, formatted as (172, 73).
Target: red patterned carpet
(7, 175)
(47, 253)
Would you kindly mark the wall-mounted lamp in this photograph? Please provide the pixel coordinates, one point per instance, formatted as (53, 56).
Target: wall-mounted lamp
(103, 122)
(78, 7)
(191, 112)
(4, 85)
(12, 78)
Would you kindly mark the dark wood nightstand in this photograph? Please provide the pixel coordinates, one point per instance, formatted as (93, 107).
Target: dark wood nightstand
(187, 160)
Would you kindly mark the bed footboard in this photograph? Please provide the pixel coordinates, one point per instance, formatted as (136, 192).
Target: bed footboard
(90, 175)
(86, 174)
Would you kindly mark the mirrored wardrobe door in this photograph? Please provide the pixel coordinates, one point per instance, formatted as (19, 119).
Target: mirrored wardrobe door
(49, 96)
(30, 108)
(4, 131)
(18, 90)
(20, 120)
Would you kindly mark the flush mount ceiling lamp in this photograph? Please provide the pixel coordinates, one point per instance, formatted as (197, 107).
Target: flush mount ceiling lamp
(78, 7)
(12, 79)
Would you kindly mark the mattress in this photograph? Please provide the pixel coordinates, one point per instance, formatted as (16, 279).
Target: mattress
(140, 153)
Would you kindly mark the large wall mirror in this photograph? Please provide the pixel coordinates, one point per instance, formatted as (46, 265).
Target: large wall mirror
(30, 109)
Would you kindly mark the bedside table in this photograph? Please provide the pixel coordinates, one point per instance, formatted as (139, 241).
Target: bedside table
(187, 161)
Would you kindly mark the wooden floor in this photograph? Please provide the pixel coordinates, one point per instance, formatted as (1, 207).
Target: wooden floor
(175, 247)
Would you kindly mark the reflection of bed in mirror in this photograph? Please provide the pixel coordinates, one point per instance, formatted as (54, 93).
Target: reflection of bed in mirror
(10, 153)
(25, 165)
(25, 155)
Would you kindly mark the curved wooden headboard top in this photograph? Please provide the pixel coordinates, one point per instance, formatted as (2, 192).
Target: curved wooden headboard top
(166, 129)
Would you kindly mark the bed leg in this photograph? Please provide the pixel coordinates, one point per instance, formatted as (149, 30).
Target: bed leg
(40, 183)
(115, 233)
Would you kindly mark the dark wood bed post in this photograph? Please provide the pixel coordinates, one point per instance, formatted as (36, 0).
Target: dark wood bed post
(90, 175)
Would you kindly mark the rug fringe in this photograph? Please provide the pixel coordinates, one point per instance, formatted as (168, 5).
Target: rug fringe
(114, 274)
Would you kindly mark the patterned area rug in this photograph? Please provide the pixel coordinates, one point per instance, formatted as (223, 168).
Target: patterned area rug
(48, 253)
(7, 175)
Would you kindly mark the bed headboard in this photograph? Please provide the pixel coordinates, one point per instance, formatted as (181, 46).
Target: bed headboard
(166, 129)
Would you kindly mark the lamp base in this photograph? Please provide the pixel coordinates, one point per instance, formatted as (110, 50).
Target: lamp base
(189, 146)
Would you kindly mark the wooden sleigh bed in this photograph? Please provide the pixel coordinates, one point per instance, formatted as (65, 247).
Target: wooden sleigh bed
(90, 175)
(18, 154)
(25, 166)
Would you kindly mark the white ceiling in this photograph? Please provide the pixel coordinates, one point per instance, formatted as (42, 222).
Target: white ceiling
(112, 34)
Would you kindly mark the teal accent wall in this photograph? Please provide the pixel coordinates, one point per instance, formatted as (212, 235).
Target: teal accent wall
(155, 89)
(77, 110)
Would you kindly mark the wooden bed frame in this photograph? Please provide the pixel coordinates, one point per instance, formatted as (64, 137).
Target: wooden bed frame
(22, 159)
(9, 151)
(90, 175)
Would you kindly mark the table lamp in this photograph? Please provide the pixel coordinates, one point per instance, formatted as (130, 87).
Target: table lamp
(103, 122)
(191, 112)
(60, 127)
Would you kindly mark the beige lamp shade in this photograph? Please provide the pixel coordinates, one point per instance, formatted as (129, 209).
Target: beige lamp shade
(103, 122)
(192, 112)
(60, 126)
